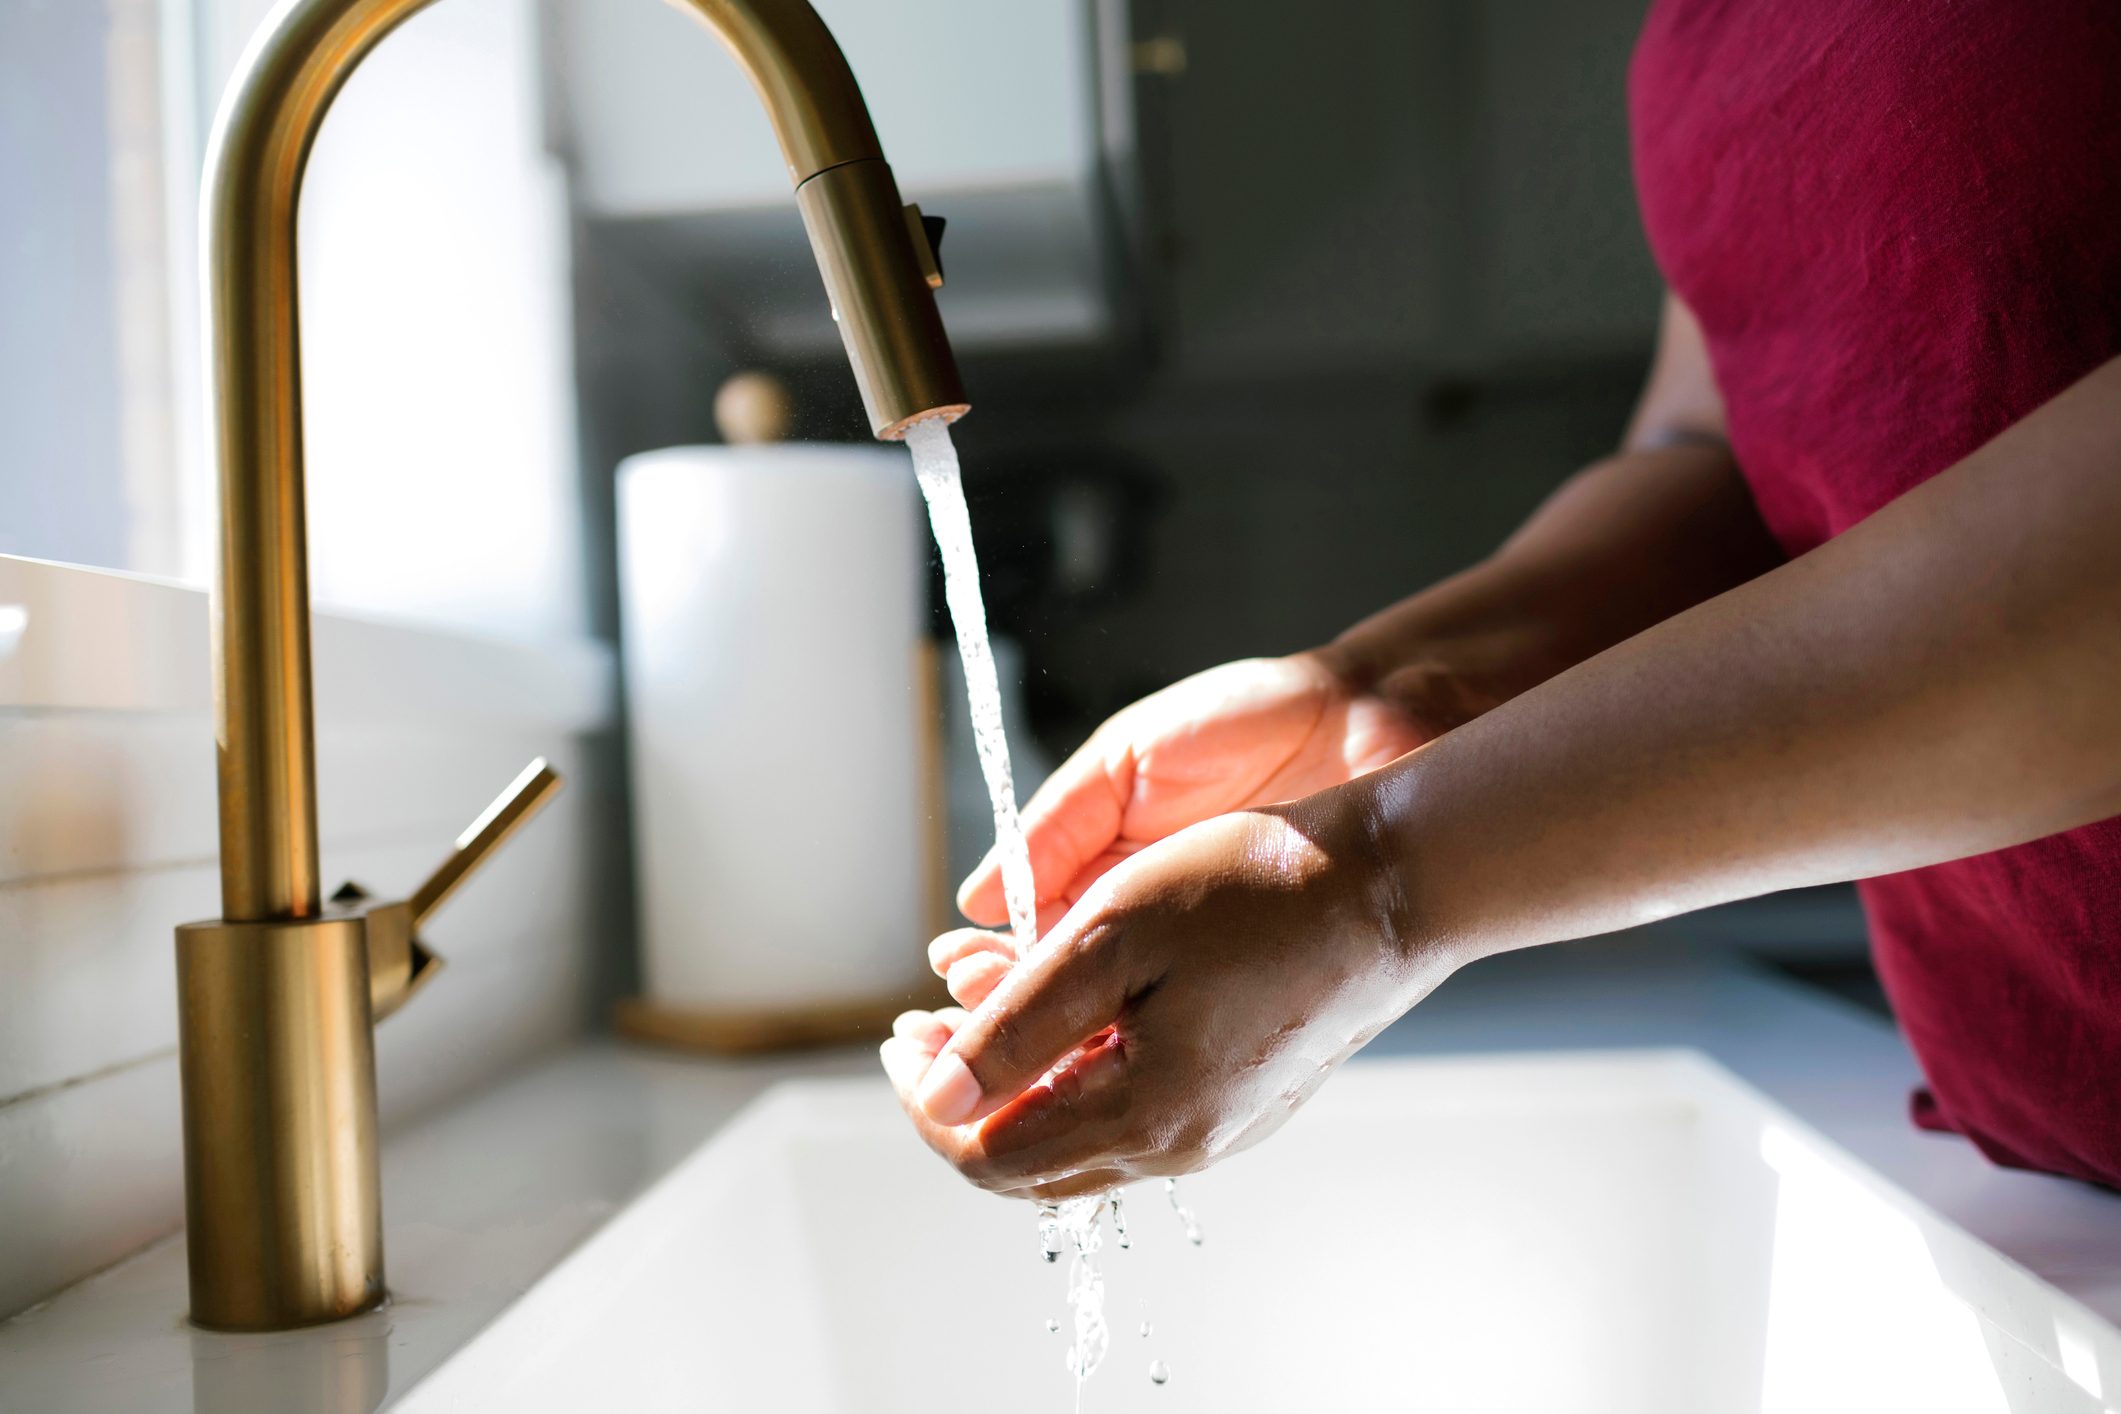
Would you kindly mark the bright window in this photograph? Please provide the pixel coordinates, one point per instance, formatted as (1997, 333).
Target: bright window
(439, 397)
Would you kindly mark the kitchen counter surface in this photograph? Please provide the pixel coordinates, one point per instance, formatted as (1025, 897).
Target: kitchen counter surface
(487, 1195)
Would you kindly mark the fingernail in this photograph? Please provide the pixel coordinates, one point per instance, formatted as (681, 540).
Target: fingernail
(949, 1093)
(961, 971)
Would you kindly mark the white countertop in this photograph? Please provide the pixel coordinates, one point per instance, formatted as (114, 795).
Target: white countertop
(485, 1197)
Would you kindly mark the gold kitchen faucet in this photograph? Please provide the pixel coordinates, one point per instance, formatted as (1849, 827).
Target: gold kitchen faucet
(277, 999)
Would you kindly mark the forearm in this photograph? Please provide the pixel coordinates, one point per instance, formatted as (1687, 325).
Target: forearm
(1942, 680)
(1623, 545)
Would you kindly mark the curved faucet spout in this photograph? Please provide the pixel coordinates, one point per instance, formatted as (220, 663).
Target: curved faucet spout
(286, 81)
(309, 1198)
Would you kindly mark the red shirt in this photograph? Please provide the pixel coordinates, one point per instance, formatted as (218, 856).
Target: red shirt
(1899, 224)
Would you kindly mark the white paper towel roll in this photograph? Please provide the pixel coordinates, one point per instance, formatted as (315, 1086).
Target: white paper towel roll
(771, 599)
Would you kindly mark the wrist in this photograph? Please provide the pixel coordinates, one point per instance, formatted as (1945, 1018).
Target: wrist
(1371, 891)
(1438, 674)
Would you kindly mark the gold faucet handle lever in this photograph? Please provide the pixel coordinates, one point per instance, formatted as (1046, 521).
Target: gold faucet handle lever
(525, 796)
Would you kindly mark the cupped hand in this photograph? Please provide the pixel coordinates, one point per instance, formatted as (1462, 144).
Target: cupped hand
(1189, 1002)
(1256, 732)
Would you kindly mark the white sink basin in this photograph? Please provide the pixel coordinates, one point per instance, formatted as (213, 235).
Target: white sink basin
(1631, 1232)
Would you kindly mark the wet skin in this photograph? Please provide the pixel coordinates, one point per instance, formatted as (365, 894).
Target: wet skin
(1632, 709)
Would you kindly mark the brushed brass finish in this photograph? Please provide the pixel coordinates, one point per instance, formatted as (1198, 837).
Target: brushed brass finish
(280, 1180)
(276, 1022)
(277, 999)
(880, 295)
(399, 964)
(526, 796)
(796, 67)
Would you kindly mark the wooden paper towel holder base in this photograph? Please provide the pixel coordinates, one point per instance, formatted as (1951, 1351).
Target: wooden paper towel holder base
(745, 1033)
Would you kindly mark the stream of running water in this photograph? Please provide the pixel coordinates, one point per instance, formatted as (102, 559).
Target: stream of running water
(1073, 1225)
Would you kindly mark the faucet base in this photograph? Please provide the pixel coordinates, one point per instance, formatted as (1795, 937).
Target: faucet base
(282, 1185)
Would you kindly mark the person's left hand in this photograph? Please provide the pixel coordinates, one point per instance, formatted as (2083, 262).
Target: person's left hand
(1182, 1009)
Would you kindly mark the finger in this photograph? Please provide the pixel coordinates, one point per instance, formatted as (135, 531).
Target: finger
(946, 950)
(915, 1038)
(1097, 868)
(922, 1028)
(906, 1059)
(1070, 820)
(930, 1030)
(1044, 1140)
(1051, 911)
(1042, 1010)
(971, 979)
(1075, 1121)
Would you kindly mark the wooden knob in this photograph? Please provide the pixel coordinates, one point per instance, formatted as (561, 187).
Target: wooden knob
(753, 407)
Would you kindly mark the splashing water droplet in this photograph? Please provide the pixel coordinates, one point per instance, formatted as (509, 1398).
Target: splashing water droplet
(1052, 1325)
(1158, 1372)
(1146, 1328)
(1185, 1214)
(1086, 1285)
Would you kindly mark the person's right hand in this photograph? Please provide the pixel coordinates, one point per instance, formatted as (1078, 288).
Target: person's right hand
(1256, 732)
